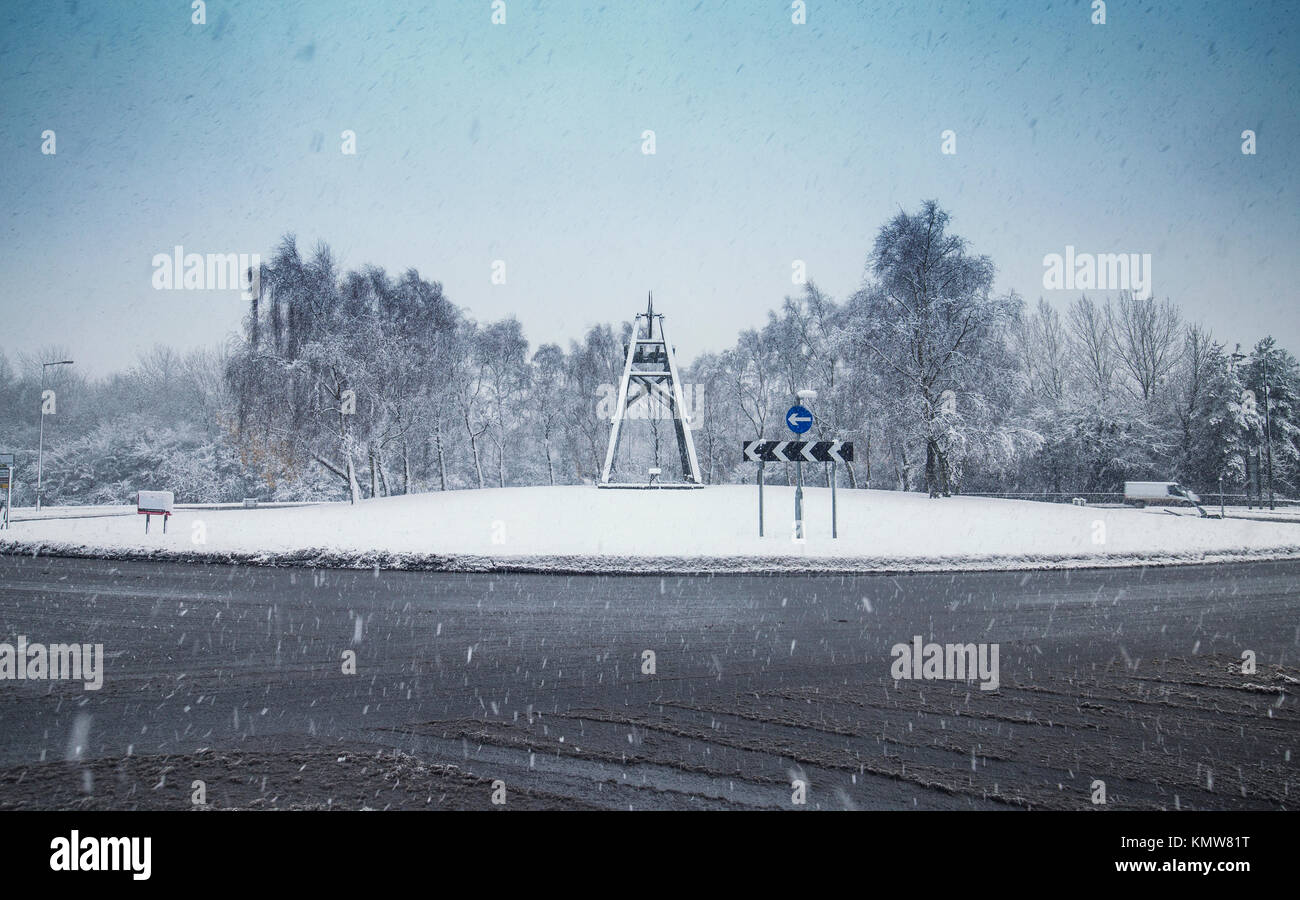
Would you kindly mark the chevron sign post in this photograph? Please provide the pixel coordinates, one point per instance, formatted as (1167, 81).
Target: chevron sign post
(798, 452)
(6, 484)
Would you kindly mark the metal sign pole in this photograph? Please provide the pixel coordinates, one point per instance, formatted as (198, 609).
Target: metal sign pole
(40, 452)
(799, 418)
(834, 528)
(798, 499)
(7, 466)
(799, 452)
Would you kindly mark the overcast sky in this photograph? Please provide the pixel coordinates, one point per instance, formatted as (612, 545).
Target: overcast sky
(523, 142)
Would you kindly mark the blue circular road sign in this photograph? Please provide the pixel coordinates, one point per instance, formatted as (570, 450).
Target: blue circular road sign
(799, 419)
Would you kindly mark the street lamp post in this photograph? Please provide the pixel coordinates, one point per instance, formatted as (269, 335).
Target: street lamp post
(40, 452)
(1268, 431)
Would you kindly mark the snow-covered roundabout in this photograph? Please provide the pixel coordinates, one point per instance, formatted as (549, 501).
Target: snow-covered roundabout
(584, 529)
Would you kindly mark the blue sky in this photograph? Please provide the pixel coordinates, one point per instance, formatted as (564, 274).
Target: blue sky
(522, 142)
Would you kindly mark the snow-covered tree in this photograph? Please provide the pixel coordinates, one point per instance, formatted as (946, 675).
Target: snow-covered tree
(933, 325)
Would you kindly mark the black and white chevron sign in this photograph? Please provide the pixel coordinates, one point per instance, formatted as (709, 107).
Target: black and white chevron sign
(798, 451)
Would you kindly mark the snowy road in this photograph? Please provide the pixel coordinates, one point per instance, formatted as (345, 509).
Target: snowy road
(233, 675)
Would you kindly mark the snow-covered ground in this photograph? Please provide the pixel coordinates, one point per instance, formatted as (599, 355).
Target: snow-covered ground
(29, 513)
(1281, 514)
(583, 529)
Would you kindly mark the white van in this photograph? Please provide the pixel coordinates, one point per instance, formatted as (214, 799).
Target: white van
(1159, 493)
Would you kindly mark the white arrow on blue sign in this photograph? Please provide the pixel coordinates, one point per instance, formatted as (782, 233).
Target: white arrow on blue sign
(799, 419)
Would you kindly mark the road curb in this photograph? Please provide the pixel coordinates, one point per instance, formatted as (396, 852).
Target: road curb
(324, 558)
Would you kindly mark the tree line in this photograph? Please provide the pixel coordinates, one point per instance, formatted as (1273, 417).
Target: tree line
(361, 384)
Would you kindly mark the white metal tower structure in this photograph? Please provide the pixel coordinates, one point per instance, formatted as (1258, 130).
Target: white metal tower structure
(651, 368)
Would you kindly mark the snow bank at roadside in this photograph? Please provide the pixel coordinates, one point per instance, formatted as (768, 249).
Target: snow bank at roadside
(583, 529)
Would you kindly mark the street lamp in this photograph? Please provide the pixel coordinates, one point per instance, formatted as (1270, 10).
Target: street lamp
(40, 452)
(1268, 430)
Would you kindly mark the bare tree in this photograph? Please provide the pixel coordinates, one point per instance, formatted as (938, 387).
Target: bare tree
(1092, 345)
(547, 399)
(1043, 345)
(1193, 384)
(1147, 341)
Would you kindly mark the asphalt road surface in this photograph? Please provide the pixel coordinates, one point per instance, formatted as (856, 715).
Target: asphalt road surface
(532, 689)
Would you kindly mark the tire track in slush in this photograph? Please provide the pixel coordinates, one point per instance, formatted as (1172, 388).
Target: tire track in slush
(1129, 676)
